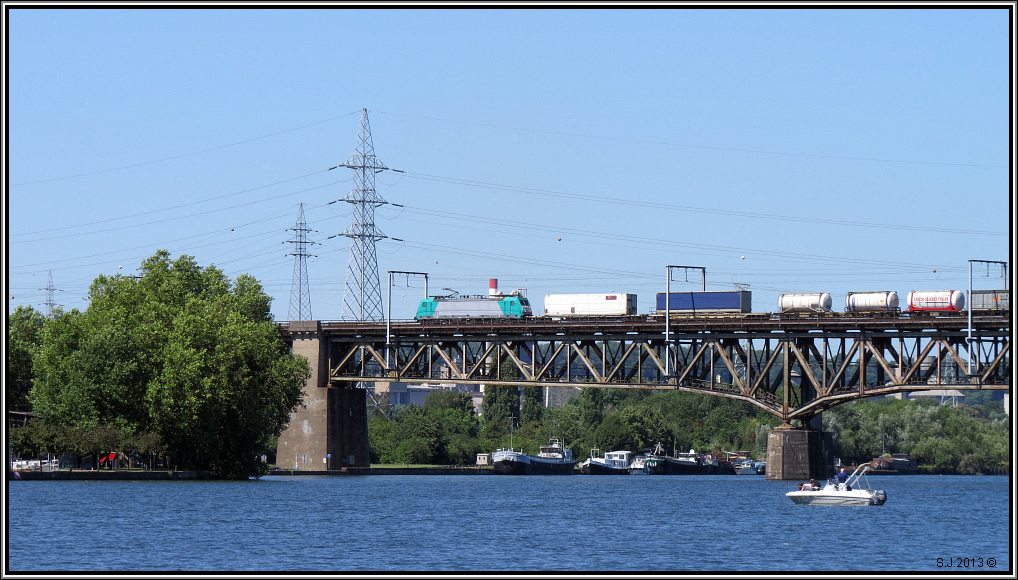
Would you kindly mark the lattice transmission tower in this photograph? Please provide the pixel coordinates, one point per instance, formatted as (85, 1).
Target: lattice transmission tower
(300, 291)
(50, 289)
(362, 294)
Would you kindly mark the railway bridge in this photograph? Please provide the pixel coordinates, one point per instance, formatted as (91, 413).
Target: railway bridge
(791, 365)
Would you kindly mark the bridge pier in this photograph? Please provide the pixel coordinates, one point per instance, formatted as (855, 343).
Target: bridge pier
(799, 453)
(330, 430)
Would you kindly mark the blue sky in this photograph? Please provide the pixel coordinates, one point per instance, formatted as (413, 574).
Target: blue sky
(561, 151)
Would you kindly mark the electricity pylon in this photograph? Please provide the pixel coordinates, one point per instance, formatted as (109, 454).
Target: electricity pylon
(300, 292)
(50, 289)
(362, 295)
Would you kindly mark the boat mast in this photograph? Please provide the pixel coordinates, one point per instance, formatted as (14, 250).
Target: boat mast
(512, 423)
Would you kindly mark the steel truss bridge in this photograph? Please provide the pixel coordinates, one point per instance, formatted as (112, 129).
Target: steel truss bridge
(793, 366)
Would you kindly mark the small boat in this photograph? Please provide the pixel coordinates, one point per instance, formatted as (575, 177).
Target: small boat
(761, 467)
(638, 466)
(693, 463)
(836, 494)
(552, 460)
(613, 463)
(745, 468)
(894, 464)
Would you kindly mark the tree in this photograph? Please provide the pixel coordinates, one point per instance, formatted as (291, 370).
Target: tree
(24, 335)
(501, 404)
(180, 351)
(532, 409)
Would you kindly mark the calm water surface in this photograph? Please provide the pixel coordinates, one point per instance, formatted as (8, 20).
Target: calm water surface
(482, 523)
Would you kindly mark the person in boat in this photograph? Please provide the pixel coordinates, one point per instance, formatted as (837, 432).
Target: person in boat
(842, 479)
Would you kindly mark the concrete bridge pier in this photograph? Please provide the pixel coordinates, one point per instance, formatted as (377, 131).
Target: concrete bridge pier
(330, 431)
(801, 453)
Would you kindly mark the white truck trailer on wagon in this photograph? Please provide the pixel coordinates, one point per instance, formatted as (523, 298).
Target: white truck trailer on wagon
(613, 304)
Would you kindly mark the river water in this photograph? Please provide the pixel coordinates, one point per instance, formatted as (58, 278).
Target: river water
(494, 523)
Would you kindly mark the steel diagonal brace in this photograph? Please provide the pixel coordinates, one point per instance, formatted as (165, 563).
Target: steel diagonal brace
(841, 370)
(961, 364)
(652, 354)
(761, 374)
(334, 372)
(622, 362)
(448, 361)
(551, 361)
(406, 366)
(378, 357)
(480, 360)
(996, 361)
(879, 356)
(807, 370)
(516, 360)
(692, 362)
(586, 361)
(736, 379)
(918, 362)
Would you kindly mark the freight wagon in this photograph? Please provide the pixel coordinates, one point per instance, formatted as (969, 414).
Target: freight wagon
(815, 302)
(871, 301)
(733, 301)
(990, 300)
(922, 300)
(614, 304)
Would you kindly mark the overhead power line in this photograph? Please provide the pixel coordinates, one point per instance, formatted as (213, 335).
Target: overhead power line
(696, 146)
(618, 201)
(216, 148)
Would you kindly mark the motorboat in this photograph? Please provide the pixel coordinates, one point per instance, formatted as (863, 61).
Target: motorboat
(638, 466)
(745, 468)
(553, 459)
(613, 463)
(849, 493)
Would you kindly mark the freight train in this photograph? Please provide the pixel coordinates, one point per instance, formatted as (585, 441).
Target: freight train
(516, 305)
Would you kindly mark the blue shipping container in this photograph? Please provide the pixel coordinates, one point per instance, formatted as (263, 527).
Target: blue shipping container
(735, 301)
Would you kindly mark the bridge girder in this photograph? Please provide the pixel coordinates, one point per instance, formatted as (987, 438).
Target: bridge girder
(791, 373)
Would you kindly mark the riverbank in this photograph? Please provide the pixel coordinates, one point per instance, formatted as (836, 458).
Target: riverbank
(104, 475)
(145, 475)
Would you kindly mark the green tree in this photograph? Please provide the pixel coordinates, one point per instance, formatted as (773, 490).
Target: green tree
(24, 336)
(501, 404)
(615, 433)
(532, 408)
(180, 351)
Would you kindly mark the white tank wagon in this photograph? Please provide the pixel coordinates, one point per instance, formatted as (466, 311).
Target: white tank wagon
(951, 300)
(871, 301)
(815, 302)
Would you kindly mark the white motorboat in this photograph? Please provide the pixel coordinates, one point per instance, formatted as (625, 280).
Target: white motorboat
(613, 463)
(851, 493)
